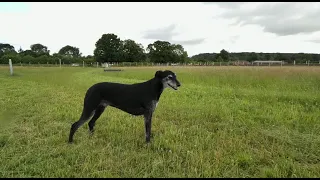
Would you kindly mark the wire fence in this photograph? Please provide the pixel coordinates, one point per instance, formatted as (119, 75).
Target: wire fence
(139, 64)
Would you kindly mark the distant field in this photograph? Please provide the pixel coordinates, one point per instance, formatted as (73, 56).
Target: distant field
(222, 122)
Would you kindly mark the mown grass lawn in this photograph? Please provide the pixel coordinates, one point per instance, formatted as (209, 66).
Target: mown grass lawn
(222, 122)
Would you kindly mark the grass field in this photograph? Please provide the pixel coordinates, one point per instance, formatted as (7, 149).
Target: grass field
(222, 122)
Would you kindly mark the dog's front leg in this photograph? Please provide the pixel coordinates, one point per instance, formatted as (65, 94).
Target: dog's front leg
(147, 124)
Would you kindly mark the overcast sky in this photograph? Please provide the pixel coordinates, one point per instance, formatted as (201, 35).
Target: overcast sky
(199, 27)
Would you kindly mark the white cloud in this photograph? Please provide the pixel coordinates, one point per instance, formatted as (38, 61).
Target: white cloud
(199, 27)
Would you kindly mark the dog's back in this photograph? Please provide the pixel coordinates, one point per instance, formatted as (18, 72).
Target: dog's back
(131, 97)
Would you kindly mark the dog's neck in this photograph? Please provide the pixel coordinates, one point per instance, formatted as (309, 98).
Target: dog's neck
(158, 87)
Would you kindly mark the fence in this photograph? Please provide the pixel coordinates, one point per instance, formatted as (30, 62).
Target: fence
(137, 64)
(53, 65)
(234, 63)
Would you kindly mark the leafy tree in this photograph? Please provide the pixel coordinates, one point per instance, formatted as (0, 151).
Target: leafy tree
(20, 50)
(133, 52)
(252, 57)
(43, 59)
(220, 59)
(180, 54)
(7, 52)
(267, 57)
(39, 49)
(28, 53)
(160, 52)
(28, 59)
(204, 57)
(15, 58)
(108, 49)
(224, 55)
(164, 52)
(6, 48)
(70, 51)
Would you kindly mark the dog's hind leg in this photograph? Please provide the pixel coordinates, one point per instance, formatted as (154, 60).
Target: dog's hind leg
(86, 114)
(96, 116)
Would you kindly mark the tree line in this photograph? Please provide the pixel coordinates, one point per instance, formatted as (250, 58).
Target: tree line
(110, 48)
(39, 53)
(225, 56)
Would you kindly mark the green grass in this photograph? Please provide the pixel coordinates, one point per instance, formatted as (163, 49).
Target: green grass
(222, 122)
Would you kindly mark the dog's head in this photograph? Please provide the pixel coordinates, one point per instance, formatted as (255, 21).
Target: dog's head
(168, 79)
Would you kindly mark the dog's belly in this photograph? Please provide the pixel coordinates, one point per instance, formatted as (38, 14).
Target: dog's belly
(133, 111)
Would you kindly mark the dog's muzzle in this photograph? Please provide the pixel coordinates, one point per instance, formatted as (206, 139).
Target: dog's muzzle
(175, 87)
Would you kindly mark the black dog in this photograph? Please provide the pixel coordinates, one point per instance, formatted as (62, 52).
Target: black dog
(136, 99)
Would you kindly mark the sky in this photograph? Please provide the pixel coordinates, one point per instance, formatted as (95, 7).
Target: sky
(201, 27)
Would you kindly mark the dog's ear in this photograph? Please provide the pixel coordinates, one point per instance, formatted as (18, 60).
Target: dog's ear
(158, 74)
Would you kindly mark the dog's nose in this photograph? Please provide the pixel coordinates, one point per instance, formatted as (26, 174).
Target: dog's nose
(179, 84)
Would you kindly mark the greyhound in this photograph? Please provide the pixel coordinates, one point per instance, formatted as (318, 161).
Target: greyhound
(136, 99)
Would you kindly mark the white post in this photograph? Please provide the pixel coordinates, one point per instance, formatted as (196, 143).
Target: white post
(281, 63)
(294, 62)
(82, 63)
(308, 63)
(11, 69)
(60, 62)
(97, 64)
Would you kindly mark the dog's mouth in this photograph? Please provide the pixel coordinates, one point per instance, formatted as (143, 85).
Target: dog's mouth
(175, 88)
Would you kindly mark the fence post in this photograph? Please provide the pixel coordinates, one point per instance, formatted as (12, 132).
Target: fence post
(11, 69)
(294, 62)
(82, 63)
(60, 62)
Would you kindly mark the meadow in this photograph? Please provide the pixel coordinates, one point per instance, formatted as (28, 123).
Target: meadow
(222, 122)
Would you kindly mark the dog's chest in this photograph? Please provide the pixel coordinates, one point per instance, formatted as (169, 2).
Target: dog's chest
(154, 105)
